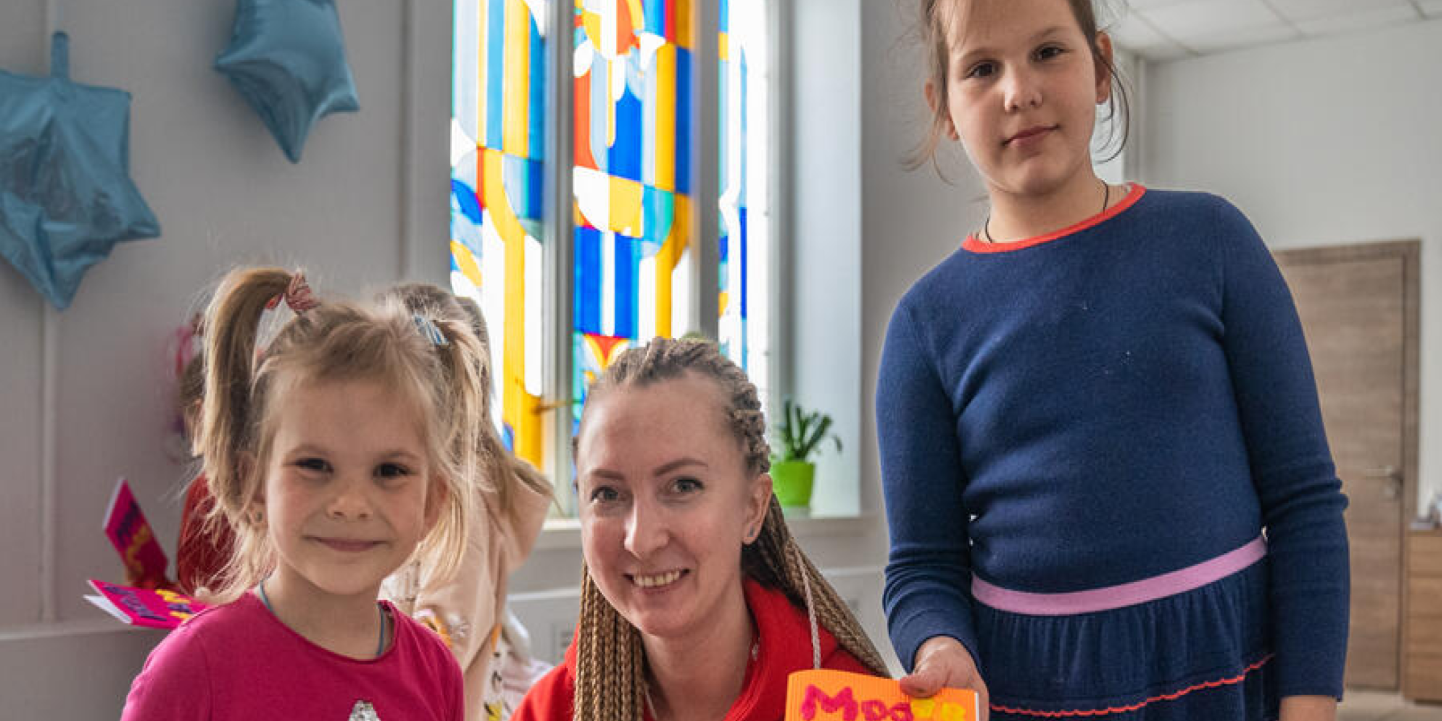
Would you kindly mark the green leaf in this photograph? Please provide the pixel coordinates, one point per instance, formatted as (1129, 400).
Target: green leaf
(800, 432)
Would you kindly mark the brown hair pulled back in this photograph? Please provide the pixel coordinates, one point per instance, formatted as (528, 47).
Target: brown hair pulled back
(932, 30)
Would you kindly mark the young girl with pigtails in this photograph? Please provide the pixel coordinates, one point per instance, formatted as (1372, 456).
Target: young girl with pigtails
(336, 451)
(1108, 486)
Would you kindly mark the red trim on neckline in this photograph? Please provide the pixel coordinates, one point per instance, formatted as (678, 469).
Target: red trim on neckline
(976, 245)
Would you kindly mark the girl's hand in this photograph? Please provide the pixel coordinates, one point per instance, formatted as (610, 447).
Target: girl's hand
(1309, 708)
(942, 662)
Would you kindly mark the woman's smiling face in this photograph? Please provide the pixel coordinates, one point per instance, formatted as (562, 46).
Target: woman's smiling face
(667, 503)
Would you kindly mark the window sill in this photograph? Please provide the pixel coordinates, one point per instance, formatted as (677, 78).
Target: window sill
(565, 533)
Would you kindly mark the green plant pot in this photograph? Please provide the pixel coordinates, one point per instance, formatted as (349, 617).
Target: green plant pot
(791, 482)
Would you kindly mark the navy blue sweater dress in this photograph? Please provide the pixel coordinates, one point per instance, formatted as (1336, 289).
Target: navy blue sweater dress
(1082, 413)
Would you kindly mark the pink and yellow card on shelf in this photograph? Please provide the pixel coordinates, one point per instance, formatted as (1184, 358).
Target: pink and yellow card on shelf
(133, 538)
(149, 598)
(825, 695)
(152, 608)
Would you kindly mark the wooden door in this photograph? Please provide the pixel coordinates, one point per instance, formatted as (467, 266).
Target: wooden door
(1358, 306)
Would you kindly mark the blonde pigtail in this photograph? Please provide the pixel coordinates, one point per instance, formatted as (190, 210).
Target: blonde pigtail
(226, 430)
(462, 398)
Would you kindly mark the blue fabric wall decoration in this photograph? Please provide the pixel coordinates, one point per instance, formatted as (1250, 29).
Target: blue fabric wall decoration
(287, 59)
(66, 197)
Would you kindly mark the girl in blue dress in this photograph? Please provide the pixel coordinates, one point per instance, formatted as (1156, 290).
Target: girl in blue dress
(1107, 482)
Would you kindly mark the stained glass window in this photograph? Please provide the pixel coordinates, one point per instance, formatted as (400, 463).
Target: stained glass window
(744, 251)
(497, 155)
(630, 268)
(632, 71)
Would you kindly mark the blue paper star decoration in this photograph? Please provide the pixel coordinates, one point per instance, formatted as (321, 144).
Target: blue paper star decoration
(66, 196)
(287, 59)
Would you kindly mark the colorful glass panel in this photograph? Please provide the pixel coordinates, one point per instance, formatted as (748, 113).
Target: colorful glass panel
(631, 69)
(497, 155)
(744, 244)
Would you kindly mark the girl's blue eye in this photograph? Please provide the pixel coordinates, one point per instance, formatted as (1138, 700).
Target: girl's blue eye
(687, 485)
(392, 470)
(604, 494)
(313, 464)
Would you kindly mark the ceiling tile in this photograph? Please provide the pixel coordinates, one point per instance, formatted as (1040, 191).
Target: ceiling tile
(1167, 29)
(1298, 10)
(1168, 51)
(1209, 17)
(1133, 33)
(1136, 35)
(1164, 53)
(1358, 20)
(1242, 37)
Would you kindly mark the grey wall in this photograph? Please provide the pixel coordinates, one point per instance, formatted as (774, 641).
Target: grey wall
(224, 193)
(1323, 142)
(911, 219)
(825, 180)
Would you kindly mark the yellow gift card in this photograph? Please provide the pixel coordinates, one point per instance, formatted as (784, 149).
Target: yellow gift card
(840, 696)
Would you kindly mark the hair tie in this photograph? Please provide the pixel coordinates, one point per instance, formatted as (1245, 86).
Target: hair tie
(430, 330)
(297, 295)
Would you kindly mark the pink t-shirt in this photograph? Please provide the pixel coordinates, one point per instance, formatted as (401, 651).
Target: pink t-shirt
(239, 662)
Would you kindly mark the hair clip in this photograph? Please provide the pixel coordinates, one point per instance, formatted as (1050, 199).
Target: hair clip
(297, 295)
(430, 330)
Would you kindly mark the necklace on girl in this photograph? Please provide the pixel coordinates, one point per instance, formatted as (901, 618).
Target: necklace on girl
(380, 609)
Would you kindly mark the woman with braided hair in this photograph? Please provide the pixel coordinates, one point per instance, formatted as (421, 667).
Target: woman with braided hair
(696, 603)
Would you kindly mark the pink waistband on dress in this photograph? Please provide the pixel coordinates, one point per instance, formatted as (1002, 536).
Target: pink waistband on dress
(1121, 595)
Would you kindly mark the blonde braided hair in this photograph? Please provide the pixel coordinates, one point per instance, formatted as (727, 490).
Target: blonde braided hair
(610, 661)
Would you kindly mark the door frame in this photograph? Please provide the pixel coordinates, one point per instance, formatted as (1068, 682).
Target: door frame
(1410, 253)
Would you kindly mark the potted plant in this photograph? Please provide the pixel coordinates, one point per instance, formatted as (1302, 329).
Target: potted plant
(798, 435)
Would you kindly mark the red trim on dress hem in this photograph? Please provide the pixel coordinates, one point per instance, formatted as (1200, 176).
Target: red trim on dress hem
(976, 245)
(1126, 709)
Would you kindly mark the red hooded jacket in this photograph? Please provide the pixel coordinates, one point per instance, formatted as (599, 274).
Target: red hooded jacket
(785, 646)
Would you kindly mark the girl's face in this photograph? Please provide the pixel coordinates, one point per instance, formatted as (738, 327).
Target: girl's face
(348, 490)
(666, 504)
(1022, 90)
